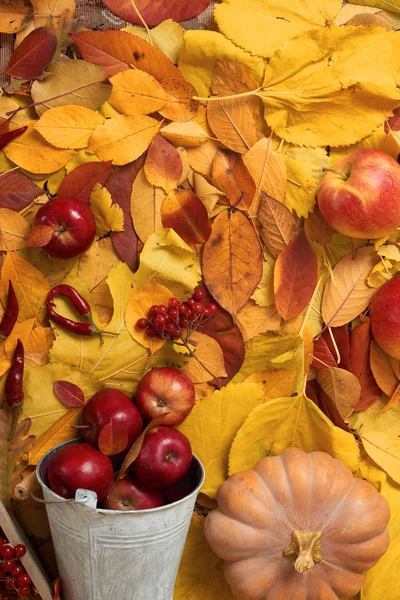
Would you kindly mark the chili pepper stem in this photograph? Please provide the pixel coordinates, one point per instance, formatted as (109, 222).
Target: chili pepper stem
(16, 413)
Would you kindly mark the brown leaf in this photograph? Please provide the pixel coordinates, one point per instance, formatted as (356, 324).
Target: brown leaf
(317, 229)
(360, 339)
(342, 387)
(17, 191)
(69, 394)
(230, 174)
(14, 452)
(117, 51)
(295, 277)
(80, 182)
(382, 369)
(39, 236)
(180, 105)
(113, 438)
(232, 261)
(184, 212)
(278, 225)
(163, 166)
(324, 403)
(347, 293)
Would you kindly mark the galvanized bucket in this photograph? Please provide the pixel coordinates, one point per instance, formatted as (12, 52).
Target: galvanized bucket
(105, 554)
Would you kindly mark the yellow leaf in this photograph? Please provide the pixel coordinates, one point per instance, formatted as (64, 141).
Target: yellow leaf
(208, 194)
(268, 169)
(393, 5)
(382, 272)
(331, 69)
(53, 269)
(212, 426)
(200, 53)
(277, 384)
(138, 308)
(123, 139)
(44, 11)
(61, 431)
(30, 151)
(14, 228)
(37, 341)
(347, 293)
(253, 320)
(15, 16)
(8, 104)
(120, 361)
(340, 246)
(261, 28)
(167, 37)
(108, 216)
(136, 92)
(188, 134)
(80, 158)
(379, 434)
(379, 140)
(40, 402)
(206, 581)
(264, 294)
(68, 126)
(30, 286)
(208, 360)
(146, 202)
(170, 261)
(201, 158)
(301, 186)
(289, 422)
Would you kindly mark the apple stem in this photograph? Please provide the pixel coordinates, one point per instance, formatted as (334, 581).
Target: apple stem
(344, 177)
(80, 426)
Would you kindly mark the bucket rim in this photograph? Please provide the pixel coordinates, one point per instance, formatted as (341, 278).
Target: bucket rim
(105, 511)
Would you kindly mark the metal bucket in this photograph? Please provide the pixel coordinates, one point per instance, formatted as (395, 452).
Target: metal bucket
(105, 554)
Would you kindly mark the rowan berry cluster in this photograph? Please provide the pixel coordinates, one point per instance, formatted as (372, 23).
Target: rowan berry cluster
(14, 581)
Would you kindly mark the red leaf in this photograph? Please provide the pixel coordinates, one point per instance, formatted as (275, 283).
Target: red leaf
(113, 438)
(119, 184)
(295, 277)
(360, 341)
(393, 123)
(69, 394)
(322, 354)
(184, 212)
(341, 337)
(33, 54)
(17, 191)
(79, 183)
(39, 236)
(7, 136)
(156, 11)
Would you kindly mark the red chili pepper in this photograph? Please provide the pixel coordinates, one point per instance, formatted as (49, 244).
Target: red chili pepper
(81, 305)
(10, 315)
(13, 387)
(10, 135)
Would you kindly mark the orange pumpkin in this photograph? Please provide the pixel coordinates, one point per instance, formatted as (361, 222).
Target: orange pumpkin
(297, 527)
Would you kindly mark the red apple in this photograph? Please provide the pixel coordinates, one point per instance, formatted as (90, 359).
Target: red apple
(130, 494)
(185, 485)
(361, 198)
(107, 405)
(73, 226)
(165, 389)
(79, 465)
(164, 458)
(384, 313)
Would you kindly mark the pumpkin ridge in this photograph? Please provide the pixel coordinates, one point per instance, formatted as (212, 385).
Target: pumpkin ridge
(339, 506)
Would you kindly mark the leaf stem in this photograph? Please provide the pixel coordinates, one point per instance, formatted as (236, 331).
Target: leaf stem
(137, 11)
(231, 97)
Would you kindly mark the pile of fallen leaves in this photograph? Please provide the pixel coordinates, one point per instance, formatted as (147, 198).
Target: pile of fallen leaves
(200, 154)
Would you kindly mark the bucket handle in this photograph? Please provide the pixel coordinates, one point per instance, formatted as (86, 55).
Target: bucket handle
(82, 496)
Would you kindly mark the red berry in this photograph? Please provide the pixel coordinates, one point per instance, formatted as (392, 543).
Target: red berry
(7, 551)
(206, 313)
(199, 294)
(142, 323)
(150, 331)
(7, 596)
(159, 322)
(213, 308)
(190, 314)
(19, 550)
(24, 591)
(173, 303)
(162, 309)
(10, 584)
(170, 327)
(175, 334)
(24, 580)
(173, 313)
(8, 566)
(190, 302)
(2, 573)
(197, 308)
(2, 542)
(183, 322)
(153, 309)
(183, 309)
(17, 571)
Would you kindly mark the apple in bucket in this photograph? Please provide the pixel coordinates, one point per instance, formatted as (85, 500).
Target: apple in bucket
(360, 196)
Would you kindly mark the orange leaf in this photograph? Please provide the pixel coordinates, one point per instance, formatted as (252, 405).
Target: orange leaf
(360, 339)
(184, 212)
(232, 177)
(136, 92)
(179, 105)
(39, 236)
(393, 400)
(382, 369)
(279, 226)
(232, 261)
(113, 438)
(317, 229)
(163, 166)
(295, 277)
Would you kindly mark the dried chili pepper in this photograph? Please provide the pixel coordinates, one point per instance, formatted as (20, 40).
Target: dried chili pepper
(81, 305)
(10, 315)
(10, 135)
(13, 387)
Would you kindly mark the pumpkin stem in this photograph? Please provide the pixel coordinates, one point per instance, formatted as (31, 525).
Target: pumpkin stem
(306, 547)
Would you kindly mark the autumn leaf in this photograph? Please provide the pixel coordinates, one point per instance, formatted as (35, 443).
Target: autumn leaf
(81, 180)
(180, 105)
(153, 13)
(108, 216)
(15, 16)
(39, 236)
(184, 212)
(253, 320)
(167, 36)
(136, 92)
(322, 354)
(13, 453)
(264, 294)
(68, 126)
(231, 261)
(70, 82)
(301, 186)
(295, 277)
(360, 340)
(211, 197)
(342, 387)
(145, 206)
(116, 51)
(17, 191)
(230, 174)
(347, 293)
(278, 225)
(61, 431)
(392, 5)
(69, 394)
(123, 139)
(163, 166)
(32, 55)
(55, 13)
(207, 362)
(113, 438)
(13, 229)
(187, 134)
(317, 229)
(382, 370)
